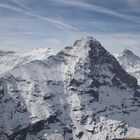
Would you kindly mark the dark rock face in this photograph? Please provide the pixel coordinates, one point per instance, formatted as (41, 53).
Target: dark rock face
(99, 56)
(80, 93)
(2, 53)
(80, 135)
(1, 92)
(74, 82)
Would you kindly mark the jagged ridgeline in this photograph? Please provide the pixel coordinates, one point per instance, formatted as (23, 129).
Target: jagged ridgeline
(81, 93)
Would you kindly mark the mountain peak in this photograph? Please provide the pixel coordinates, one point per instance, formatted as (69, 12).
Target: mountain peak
(81, 93)
(128, 54)
(42, 50)
(84, 47)
(40, 53)
(90, 44)
(130, 62)
(86, 40)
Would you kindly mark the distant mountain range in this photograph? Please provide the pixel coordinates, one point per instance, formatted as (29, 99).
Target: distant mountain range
(80, 93)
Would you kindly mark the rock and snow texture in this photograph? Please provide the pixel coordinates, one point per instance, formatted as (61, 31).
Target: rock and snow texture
(9, 59)
(82, 93)
(131, 63)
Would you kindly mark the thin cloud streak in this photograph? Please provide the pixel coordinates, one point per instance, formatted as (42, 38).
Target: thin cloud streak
(99, 9)
(57, 23)
(26, 11)
(10, 7)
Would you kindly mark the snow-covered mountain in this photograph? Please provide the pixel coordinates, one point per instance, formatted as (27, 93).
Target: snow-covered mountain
(81, 93)
(9, 59)
(130, 62)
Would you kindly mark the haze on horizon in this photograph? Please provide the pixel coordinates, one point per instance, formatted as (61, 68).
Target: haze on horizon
(29, 24)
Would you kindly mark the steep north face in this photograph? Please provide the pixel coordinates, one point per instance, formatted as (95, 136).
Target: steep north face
(81, 93)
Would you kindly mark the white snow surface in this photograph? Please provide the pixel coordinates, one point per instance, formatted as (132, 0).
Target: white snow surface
(131, 63)
(9, 60)
(76, 94)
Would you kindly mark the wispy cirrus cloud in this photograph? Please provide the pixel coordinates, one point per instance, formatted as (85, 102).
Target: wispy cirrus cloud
(57, 23)
(33, 23)
(23, 9)
(100, 9)
(10, 7)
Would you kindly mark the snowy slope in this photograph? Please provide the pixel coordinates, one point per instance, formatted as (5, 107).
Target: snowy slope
(82, 93)
(9, 60)
(130, 62)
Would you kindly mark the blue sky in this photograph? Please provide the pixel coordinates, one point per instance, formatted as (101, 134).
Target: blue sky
(29, 24)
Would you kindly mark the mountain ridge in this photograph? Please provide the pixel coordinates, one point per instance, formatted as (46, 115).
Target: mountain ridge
(81, 93)
(10, 59)
(131, 63)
